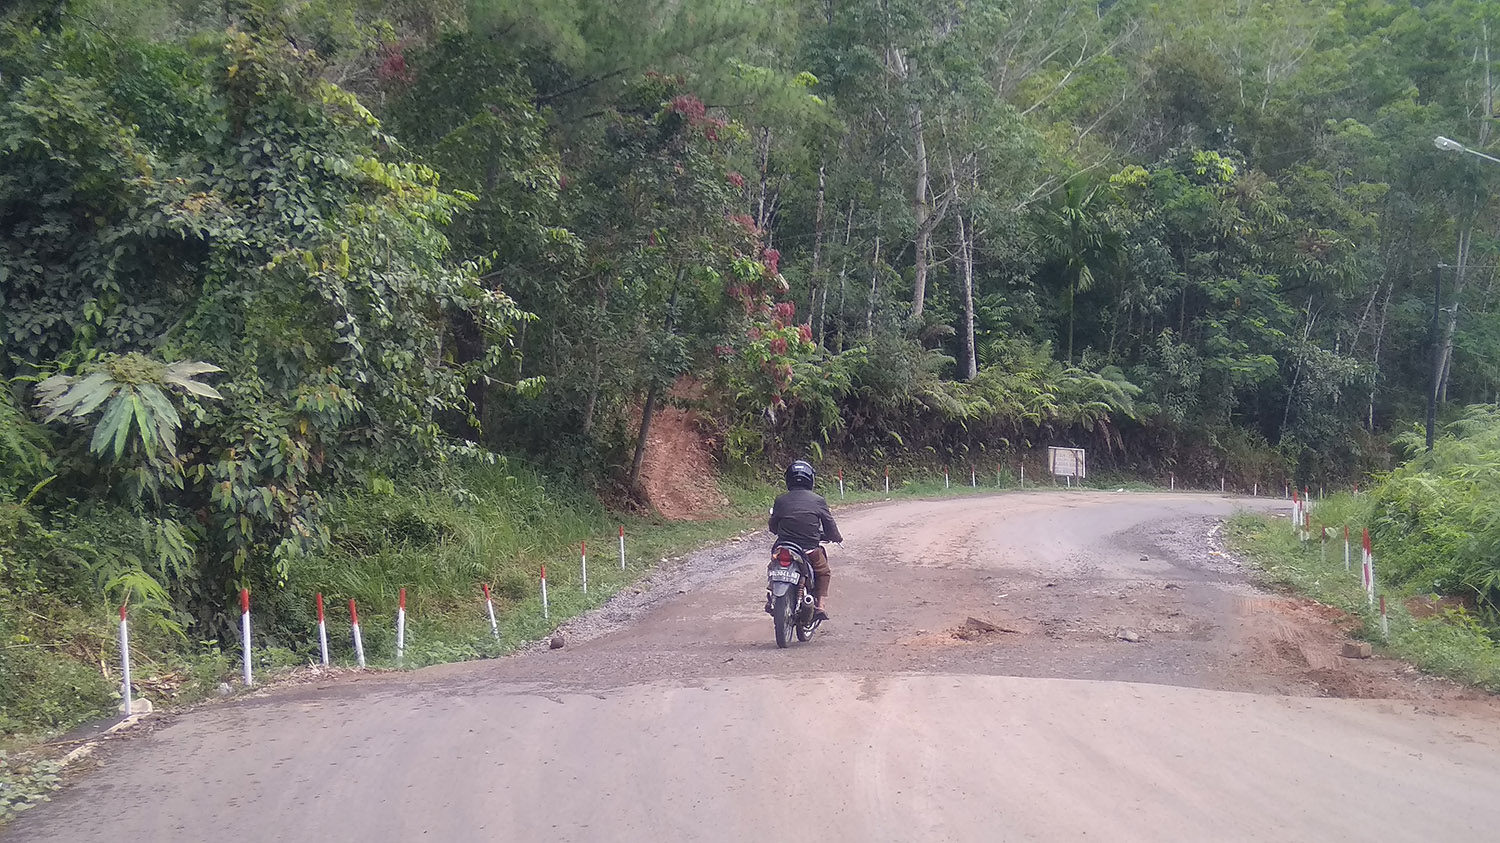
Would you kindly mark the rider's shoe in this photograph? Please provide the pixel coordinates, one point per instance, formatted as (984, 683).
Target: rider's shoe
(768, 606)
(820, 615)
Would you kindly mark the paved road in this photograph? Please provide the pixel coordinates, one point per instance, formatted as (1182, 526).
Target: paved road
(1231, 718)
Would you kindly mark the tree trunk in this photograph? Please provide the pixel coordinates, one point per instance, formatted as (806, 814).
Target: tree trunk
(966, 254)
(875, 261)
(924, 215)
(838, 343)
(761, 206)
(1375, 358)
(815, 279)
(1072, 296)
(647, 412)
(653, 395)
(1460, 281)
(874, 282)
(1291, 393)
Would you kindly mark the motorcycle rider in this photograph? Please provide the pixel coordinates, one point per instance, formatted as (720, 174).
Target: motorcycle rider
(801, 517)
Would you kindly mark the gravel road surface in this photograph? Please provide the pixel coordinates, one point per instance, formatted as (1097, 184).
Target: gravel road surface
(1120, 680)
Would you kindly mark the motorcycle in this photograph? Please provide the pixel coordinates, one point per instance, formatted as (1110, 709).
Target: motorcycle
(789, 594)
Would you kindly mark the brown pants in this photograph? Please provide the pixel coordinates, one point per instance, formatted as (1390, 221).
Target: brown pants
(819, 560)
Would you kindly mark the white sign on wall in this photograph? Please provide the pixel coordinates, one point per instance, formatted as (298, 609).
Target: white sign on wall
(1066, 462)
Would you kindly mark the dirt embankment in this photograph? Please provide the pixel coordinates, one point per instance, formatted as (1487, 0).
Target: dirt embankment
(679, 473)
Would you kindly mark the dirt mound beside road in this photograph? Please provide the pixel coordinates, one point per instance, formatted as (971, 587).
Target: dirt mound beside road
(679, 474)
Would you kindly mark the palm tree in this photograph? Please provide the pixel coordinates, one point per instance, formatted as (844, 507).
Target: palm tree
(1074, 236)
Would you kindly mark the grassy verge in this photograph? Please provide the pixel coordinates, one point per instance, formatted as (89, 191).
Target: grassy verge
(1452, 644)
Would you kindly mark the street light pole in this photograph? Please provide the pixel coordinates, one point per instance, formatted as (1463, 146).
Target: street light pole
(1447, 145)
(1451, 145)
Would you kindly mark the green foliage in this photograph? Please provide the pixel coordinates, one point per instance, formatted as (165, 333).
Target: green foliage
(126, 391)
(1436, 517)
(270, 234)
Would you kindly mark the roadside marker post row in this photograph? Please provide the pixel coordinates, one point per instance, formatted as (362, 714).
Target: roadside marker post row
(359, 641)
(401, 628)
(322, 632)
(245, 634)
(125, 661)
(489, 603)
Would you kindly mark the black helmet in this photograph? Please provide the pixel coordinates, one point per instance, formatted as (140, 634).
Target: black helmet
(800, 475)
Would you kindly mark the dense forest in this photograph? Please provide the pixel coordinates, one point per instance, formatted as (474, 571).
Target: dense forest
(256, 255)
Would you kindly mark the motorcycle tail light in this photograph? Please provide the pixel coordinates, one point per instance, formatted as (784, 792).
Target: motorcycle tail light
(784, 558)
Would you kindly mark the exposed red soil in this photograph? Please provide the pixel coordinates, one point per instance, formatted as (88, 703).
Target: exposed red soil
(679, 474)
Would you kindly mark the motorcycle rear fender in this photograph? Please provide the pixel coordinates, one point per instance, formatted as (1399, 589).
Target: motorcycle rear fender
(780, 588)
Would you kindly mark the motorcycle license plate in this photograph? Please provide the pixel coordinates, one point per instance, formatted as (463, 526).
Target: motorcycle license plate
(790, 575)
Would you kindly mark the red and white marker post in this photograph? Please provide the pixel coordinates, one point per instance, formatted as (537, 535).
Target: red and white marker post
(1221, 484)
(583, 562)
(841, 482)
(401, 628)
(489, 604)
(359, 641)
(887, 480)
(1369, 569)
(1296, 514)
(973, 477)
(1023, 475)
(1255, 489)
(322, 632)
(1322, 543)
(1172, 481)
(245, 634)
(622, 547)
(545, 615)
(125, 662)
(945, 477)
(1346, 548)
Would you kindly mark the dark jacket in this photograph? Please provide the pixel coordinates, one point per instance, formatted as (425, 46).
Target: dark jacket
(801, 516)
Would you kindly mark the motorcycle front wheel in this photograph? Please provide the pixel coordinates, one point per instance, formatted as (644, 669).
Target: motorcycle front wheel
(781, 616)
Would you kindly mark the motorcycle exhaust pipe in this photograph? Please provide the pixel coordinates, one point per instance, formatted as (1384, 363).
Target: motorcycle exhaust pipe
(807, 599)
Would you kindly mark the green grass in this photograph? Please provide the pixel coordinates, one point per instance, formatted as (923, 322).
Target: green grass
(1454, 644)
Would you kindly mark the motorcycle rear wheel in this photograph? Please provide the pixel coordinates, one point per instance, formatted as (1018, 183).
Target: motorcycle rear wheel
(781, 616)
